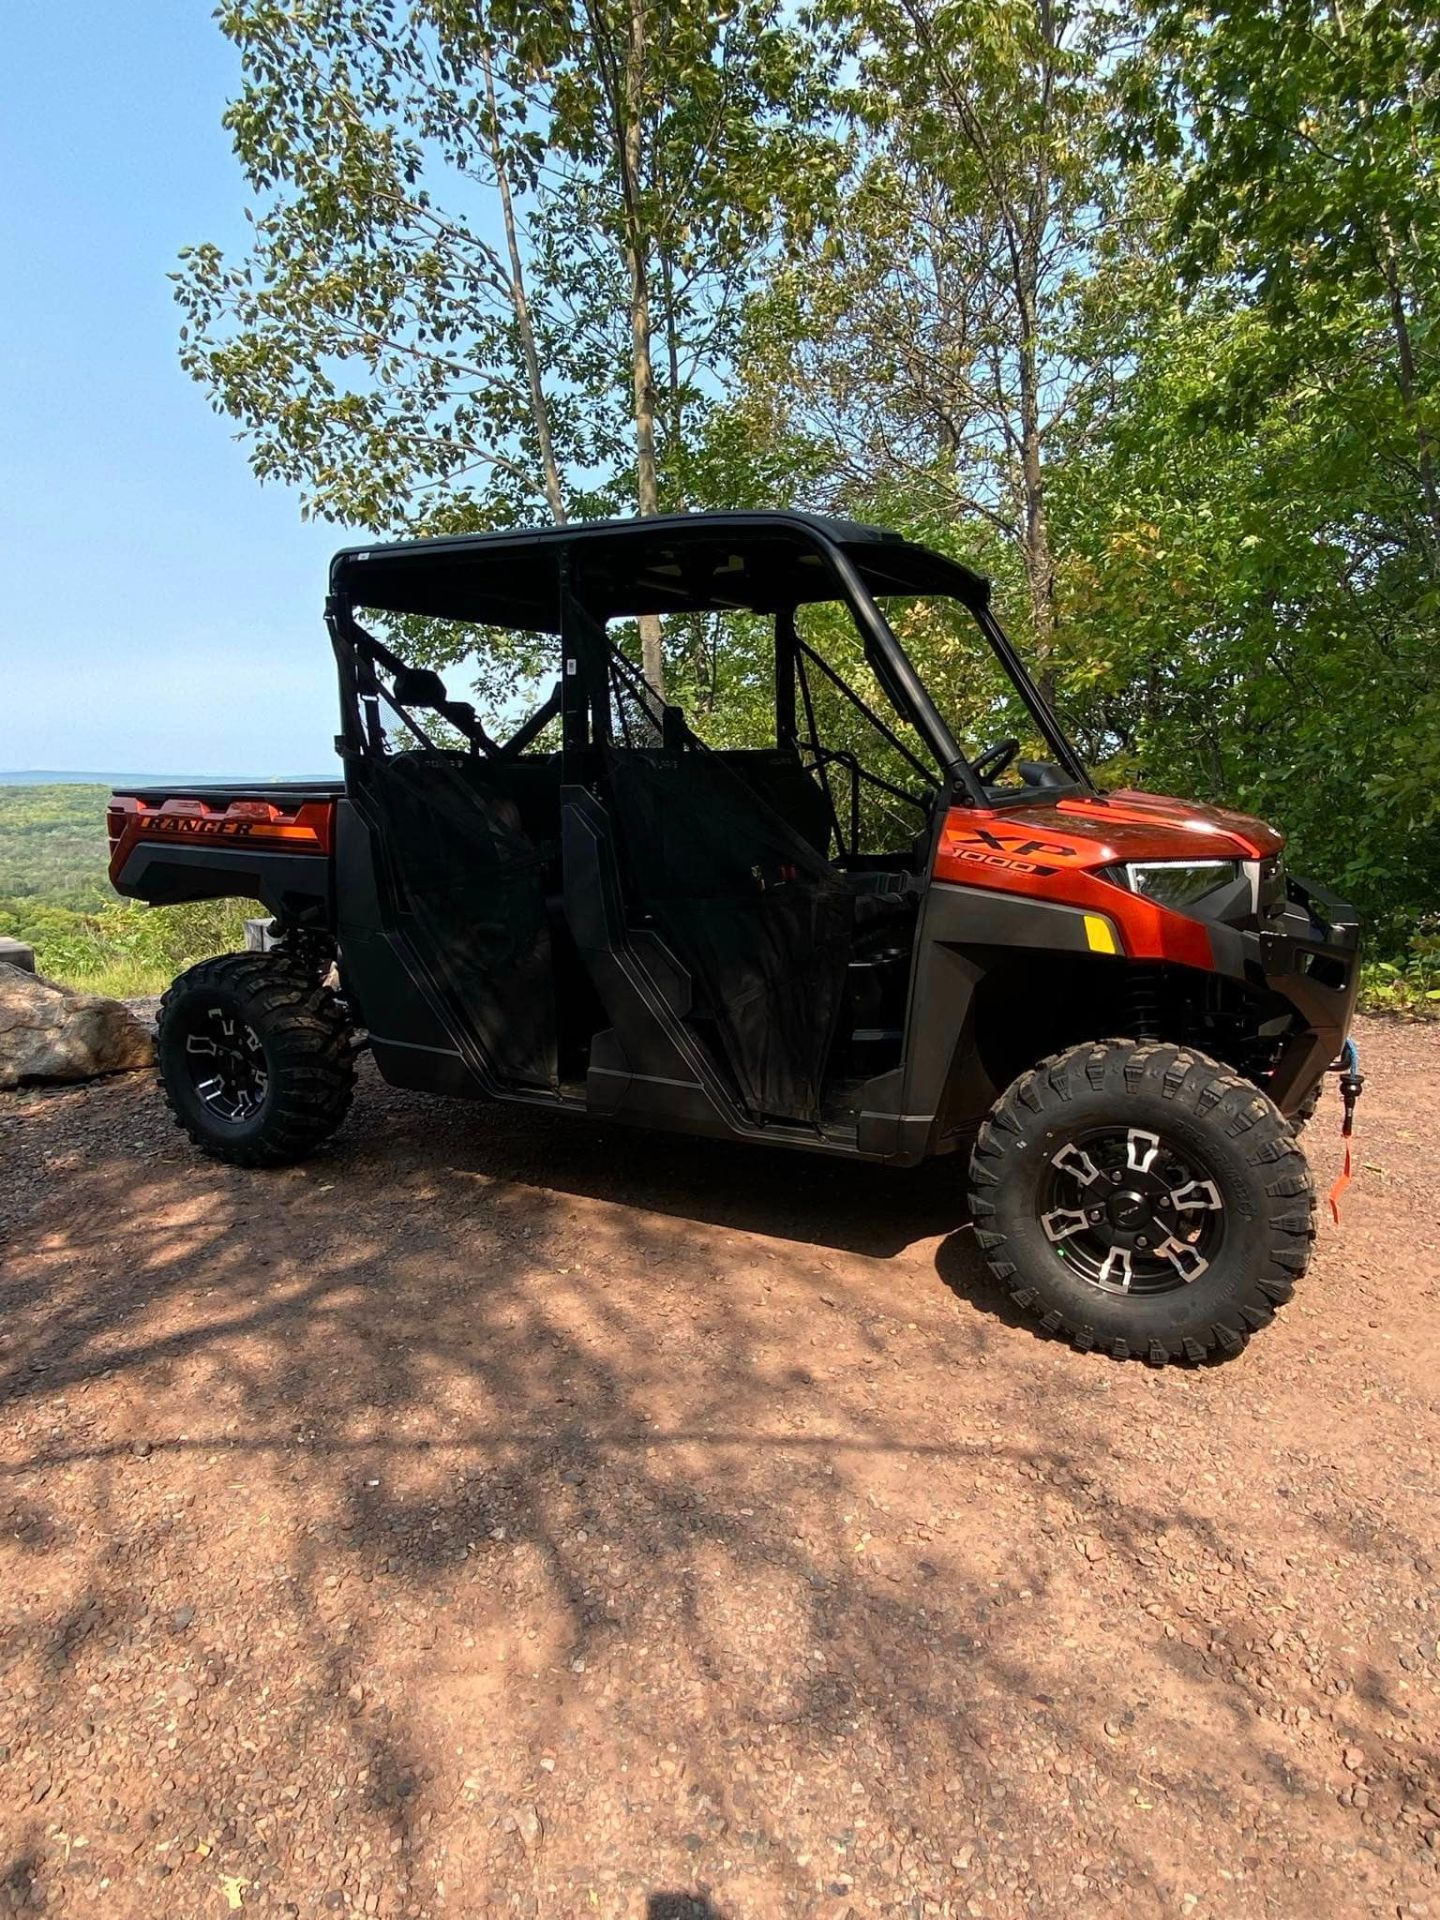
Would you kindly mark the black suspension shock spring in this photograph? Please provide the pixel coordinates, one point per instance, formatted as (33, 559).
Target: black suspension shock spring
(1143, 1009)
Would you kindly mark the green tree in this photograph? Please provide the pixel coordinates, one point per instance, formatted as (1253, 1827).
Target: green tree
(925, 351)
(472, 228)
(1305, 138)
(1252, 541)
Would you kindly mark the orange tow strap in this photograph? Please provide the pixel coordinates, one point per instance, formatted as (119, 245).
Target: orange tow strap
(1351, 1083)
(1340, 1185)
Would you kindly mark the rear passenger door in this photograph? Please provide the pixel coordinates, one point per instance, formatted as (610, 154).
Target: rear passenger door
(466, 888)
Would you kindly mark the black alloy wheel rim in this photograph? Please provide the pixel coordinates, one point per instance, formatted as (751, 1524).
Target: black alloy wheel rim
(1129, 1212)
(225, 1062)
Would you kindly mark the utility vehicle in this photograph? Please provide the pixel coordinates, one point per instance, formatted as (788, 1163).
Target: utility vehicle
(862, 916)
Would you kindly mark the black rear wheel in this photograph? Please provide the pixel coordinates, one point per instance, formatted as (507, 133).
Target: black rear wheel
(1140, 1197)
(256, 1060)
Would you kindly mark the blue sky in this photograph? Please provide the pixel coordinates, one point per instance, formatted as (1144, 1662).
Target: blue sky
(160, 611)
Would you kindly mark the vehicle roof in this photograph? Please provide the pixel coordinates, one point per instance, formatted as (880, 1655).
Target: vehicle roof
(667, 563)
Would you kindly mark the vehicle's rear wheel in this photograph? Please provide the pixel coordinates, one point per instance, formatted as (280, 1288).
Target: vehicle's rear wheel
(256, 1060)
(1141, 1198)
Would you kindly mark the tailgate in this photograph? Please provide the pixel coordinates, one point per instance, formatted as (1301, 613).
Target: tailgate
(222, 841)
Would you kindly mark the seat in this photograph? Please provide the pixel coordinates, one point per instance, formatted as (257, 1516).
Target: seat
(777, 776)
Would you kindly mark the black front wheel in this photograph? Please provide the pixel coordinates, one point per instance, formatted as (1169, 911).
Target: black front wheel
(256, 1061)
(1139, 1197)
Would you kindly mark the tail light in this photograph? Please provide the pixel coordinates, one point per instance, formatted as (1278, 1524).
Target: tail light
(306, 828)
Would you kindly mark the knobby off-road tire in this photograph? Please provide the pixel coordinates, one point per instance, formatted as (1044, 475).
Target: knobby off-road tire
(1305, 1112)
(1063, 1181)
(256, 1060)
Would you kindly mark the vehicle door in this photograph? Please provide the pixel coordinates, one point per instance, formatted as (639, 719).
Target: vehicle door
(466, 871)
(756, 915)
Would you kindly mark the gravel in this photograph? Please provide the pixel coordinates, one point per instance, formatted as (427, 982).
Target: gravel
(506, 1515)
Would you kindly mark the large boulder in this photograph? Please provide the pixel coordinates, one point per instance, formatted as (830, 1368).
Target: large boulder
(49, 1032)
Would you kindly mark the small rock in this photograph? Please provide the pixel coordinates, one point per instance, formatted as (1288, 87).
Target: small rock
(1354, 1758)
(530, 1827)
(141, 1449)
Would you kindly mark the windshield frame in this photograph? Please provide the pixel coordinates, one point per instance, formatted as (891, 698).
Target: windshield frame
(938, 578)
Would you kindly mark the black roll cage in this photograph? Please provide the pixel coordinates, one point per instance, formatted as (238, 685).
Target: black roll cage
(581, 697)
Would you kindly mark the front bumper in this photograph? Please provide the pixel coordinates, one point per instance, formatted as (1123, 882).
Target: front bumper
(1309, 956)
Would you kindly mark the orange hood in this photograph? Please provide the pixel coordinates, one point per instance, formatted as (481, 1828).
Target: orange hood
(1051, 851)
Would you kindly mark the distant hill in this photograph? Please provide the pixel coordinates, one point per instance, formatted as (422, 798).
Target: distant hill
(55, 892)
(53, 847)
(43, 777)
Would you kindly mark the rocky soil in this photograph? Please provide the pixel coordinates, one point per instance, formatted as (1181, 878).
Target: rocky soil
(502, 1515)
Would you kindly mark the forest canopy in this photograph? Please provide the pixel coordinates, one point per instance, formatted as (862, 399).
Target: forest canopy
(1131, 306)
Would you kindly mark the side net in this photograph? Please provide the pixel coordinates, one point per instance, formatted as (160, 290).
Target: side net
(761, 921)
(472, 882)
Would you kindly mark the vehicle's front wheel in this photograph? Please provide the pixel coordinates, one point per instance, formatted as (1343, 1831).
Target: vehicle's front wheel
(256, 1060)
(1305, 1112)
(1141, 1198)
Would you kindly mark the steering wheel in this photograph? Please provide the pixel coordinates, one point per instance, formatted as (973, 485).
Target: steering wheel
(993, 762)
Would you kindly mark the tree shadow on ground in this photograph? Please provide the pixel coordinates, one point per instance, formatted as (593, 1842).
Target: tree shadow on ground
(850, 1206)
(443, 1523)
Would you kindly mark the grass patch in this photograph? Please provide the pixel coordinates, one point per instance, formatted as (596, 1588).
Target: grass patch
(55, 894)
(120, 980)
(126, 950)
(1410, 987)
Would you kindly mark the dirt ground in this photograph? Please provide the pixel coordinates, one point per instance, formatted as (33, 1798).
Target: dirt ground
(507, 1515)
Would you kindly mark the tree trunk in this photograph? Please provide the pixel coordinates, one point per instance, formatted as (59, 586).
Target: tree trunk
(524, 324)
(1039, 565)
(647, 481)
(1405, 370)
(1039, 561)
(676, 425)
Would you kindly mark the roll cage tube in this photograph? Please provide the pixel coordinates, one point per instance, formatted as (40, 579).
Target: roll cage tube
(1041, 712)
(907, 690)
(350, 741)
(362, 693)
(891, 666)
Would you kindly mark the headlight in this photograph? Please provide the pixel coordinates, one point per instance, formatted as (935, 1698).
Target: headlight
(1180, 883)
